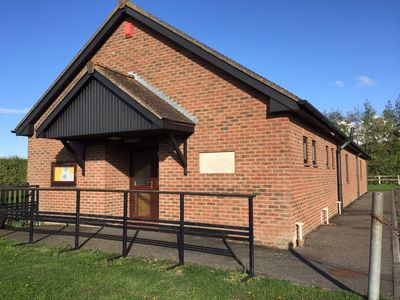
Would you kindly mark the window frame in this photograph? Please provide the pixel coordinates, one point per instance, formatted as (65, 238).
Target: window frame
(305, 150)
(314, 152)
(346, 161)
(333, 158)
(327, 156)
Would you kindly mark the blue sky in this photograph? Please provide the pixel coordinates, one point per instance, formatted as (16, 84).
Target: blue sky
(336, 54)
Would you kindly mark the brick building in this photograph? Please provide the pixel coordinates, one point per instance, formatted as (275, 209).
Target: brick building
(144, 106)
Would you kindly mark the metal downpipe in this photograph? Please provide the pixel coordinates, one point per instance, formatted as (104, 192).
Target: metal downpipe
(339, 170)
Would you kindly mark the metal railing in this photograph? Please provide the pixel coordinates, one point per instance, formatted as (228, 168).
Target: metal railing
(14, 203)
(30, 210)
(380, 179)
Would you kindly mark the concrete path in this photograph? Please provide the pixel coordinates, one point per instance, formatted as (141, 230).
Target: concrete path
(343, 248)
(334, 257)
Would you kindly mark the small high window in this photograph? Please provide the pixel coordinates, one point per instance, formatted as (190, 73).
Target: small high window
(327, 156)
(333, 158)
(347, 168)
(305, 150)
(314, 153)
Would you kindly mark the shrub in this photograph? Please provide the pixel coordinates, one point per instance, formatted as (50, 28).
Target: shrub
(12, 171)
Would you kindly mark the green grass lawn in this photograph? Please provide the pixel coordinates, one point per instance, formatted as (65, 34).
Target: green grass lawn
(381, 187)
(38, 272)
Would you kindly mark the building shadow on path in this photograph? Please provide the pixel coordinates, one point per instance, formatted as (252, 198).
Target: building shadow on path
(324, 274)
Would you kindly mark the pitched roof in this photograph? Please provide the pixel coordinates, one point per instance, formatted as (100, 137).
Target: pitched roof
(143, 95)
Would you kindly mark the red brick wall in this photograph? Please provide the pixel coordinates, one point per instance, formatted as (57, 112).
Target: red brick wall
(314, 187)
(231, 117)
(116, 177)
(42, 152)
(350, 191)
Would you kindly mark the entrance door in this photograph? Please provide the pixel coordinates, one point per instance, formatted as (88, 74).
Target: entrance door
(144, 176)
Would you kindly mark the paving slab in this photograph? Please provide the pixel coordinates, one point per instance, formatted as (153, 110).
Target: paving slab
(334, 256)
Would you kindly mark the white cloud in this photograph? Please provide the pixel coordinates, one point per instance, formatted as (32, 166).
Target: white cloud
(13, 111)
(364, 80)
(339, 83)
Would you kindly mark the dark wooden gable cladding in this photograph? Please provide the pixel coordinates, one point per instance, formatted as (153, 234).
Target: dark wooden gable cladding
(96, 110)
(95, 106)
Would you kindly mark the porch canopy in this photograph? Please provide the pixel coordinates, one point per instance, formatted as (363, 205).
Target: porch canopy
(105, 105)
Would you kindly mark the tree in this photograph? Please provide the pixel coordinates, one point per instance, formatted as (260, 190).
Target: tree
(340, 120)
(378, 135)
(397, 110)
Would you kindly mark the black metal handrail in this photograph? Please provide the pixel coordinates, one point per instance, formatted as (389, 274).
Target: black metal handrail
(30, 211)
(66, 189)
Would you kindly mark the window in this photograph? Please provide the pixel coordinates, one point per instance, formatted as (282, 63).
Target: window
(314, 153)
(333, 158)
(305, 150)
(360, 169)
(347, 168)
(327, 156)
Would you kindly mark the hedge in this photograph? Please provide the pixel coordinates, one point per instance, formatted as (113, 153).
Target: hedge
(12, 171)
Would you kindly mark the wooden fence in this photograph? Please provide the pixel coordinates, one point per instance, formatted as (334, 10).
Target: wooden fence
(380, 179)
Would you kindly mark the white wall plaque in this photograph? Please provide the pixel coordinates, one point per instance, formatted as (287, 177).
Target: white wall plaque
(217, 163)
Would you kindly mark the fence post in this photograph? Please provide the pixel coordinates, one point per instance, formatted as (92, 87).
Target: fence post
(17, 204)
(379, 179)
(182, 229)
(251, 237)
(31, 216)
(375, 255)
(77, 223)
(125, 225)
(37, 204)
(398, 179)
(26, 204)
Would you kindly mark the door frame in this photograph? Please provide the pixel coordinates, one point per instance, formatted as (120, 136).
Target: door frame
(154, 197)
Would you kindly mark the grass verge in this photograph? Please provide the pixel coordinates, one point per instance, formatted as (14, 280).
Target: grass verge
(39, 272)
(381, 187)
